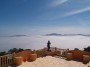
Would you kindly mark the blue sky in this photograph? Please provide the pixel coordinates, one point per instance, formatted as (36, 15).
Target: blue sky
(23, 22)
(38, 17)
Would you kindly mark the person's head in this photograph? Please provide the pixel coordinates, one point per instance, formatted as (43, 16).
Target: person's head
(48, 42)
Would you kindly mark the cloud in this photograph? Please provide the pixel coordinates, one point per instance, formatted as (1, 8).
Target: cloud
(56, 34)
(77, 11)
(57, 3)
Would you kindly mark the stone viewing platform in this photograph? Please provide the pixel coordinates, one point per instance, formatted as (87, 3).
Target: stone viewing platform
(51, 58)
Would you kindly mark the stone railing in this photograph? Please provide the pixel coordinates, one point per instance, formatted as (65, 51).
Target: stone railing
(78, 55)
(6, 60)
(64, 52)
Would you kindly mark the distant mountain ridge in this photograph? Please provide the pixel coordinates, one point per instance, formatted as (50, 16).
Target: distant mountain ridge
(56, 34)
(14, 36)
(18, 35)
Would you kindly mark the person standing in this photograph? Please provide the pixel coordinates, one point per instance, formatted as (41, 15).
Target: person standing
(48, 46)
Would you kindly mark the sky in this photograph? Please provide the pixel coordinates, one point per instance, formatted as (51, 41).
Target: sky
(40, 17)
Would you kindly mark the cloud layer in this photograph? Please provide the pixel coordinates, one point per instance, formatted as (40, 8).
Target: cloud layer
(35, 42)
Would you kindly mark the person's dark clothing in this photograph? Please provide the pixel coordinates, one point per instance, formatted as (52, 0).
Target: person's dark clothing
(48, 46)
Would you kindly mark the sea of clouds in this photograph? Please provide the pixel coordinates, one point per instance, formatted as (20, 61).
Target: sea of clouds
(39, 42)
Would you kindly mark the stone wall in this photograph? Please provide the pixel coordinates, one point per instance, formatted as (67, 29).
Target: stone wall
(78, 54)
(24, 54)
